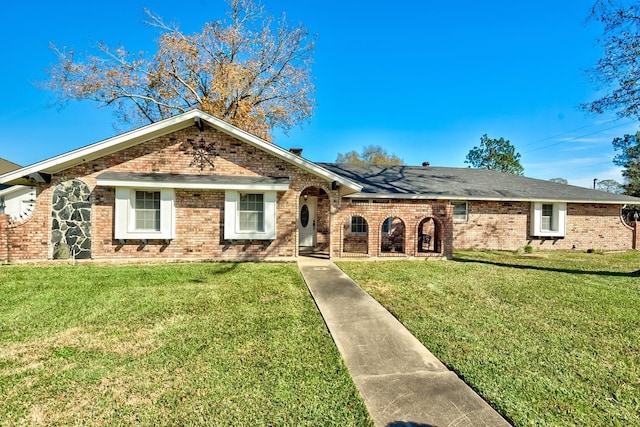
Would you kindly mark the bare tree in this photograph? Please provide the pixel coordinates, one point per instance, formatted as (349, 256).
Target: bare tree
(617, 70)
(245, 69)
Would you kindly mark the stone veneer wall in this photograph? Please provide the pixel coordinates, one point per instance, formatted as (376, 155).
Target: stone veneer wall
(71, 220)
(411, 212)
(505, 225)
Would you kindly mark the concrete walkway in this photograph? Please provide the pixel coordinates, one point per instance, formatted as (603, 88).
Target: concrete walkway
(401, 382)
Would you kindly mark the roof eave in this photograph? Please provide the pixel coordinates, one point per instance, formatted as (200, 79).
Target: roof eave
(406, 196)
(163, 127)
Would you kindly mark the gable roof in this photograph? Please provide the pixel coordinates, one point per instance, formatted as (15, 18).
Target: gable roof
(163, 127)
(416, 182)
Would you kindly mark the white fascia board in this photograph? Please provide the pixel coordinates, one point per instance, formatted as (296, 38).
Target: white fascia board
(189, 185)
(103, 148)
(480, 199)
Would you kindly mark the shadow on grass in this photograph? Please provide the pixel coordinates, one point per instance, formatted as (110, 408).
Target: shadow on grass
(540, 268)
(408, 424)
(221, 268)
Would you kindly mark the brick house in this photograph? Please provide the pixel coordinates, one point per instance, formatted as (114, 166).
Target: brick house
(194, 187)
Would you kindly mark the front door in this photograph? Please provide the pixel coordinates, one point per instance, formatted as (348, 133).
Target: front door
(307, 221)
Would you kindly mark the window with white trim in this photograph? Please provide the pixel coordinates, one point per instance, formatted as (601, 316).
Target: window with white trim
(460, 211)
(546, 223)
(144, 213)
(358, 225)
(251, 212)
(250, 215)
(548, 219)
(147, 210)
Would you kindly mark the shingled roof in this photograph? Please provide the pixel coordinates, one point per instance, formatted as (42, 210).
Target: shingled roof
(416, 182)
(7, 166)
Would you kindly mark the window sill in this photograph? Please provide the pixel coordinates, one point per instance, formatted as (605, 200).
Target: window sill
(543, 234)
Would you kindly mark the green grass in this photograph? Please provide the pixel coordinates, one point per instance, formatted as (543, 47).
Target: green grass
(196, 344)
(547, 341)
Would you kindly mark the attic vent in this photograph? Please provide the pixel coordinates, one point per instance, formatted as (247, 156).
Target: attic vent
(296, 151)
(199, 124)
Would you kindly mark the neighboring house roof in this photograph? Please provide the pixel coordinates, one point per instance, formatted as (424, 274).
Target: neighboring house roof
(416, 182)
(7, 166)
(137, 136)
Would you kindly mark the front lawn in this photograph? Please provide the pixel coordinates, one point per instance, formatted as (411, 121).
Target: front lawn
(547, 341)
(196, 344)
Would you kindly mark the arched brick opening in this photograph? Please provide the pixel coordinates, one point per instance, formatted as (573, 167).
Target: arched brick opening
(355, 236)
(392, 236)
(430, 236)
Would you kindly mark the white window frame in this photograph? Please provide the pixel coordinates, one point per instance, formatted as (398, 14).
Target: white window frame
(125, 217)
(558, 219)
(259, 211)
(138, 213)
(232, 216)
(466, 211)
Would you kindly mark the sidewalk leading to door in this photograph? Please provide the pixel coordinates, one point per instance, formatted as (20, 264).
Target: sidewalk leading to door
(401, 382)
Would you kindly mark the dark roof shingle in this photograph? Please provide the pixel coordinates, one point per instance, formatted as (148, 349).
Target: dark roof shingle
(464, 184)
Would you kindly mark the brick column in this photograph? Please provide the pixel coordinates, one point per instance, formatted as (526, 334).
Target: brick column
(4, 238)
(636, 235)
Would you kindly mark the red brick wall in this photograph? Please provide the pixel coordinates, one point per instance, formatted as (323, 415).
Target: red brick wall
(505, 225)
(4, 243)
(29, 239)
(411, 212)
(493, 225)
(199, 213)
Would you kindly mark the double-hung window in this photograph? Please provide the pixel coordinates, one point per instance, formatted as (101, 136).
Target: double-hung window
(144, 213)
(548, 219)
(251, 212)
(460, 211)
(546, 223)
(250, 215)
(147, 211)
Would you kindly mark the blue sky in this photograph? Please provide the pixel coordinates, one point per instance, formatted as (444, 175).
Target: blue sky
(424, 79)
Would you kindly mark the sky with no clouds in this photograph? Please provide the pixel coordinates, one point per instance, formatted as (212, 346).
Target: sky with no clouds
(423, 79)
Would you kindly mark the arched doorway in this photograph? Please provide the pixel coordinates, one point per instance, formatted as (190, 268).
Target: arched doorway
(314, 207)
(429, 236)
(392, 236)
